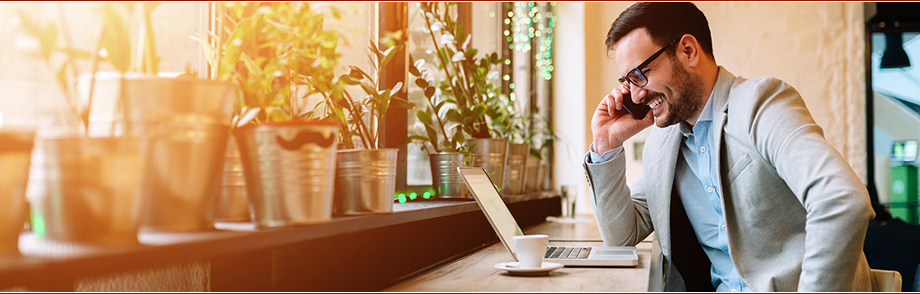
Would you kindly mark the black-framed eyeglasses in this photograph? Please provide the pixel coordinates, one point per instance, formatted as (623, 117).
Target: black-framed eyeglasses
(636, 76)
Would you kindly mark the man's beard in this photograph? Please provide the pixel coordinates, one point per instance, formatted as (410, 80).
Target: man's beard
(686, 100)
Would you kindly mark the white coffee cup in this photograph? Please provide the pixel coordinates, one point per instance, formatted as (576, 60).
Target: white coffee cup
(530, 250)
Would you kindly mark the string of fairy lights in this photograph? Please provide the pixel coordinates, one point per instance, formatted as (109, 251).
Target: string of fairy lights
(531, 20)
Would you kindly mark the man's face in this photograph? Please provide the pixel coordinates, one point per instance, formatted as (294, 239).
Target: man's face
(672, 91)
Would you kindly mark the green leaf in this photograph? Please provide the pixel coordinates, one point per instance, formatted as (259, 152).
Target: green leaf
(421, 83)
(452, 115)
(458, 137)
(423, 117)
(350, 80)
(401, 104)
(390, 54)
(247, 115)
(418, 138)
(478, 110)
(369, 88)
(373, 47)
(208, 49)
(432, 134)
(115, 38)
(429, 92)
(437, 108)
(413, 67)
(358, 73)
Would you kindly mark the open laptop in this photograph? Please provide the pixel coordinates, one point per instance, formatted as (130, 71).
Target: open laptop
(506, 227)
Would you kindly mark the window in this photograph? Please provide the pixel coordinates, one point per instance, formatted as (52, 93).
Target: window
(517, 31)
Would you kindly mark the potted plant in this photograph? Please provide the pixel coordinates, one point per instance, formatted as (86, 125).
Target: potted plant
(539, 135)
(508, 123)
(91, 188)
(183, 120)
(443, 138)
(289, 160)
(366, 177)
(471, 83)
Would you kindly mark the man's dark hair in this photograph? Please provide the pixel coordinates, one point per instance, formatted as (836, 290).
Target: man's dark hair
(666, 22)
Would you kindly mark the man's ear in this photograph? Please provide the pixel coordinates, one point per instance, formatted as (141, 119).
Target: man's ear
(689, 50)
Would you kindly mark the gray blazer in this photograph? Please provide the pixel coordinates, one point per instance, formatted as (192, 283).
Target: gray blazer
(795, 211)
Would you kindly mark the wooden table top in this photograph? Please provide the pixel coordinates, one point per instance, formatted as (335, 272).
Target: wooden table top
(476, 272)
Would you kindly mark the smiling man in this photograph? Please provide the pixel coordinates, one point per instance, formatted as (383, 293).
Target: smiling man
(738, 182)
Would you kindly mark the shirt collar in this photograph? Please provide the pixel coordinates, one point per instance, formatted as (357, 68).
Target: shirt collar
(705, 116)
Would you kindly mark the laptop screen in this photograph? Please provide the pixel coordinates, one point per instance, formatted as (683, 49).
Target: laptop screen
(492, 205)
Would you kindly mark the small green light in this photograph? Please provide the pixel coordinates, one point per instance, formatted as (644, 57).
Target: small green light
(413, 195)
(38, 224)
(427, 195)
(402, 198)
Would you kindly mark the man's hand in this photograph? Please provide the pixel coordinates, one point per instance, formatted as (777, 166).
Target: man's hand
(612, 125)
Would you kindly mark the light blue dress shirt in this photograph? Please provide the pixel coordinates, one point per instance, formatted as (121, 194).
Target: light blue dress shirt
(695, 179)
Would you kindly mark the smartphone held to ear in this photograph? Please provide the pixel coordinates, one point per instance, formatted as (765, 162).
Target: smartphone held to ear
(638, 111)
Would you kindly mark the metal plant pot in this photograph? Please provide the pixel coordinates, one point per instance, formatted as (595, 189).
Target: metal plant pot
(365, 181)
(491, 155)
(93, 190)
(232, 203)
(533, 174)
(544, 173)
(514, 169)
(15, 154)
(447, 181)
(186, 124)
(290, 171)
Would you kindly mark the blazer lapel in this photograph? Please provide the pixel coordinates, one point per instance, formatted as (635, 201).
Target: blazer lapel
(670, 149)
(719, 111)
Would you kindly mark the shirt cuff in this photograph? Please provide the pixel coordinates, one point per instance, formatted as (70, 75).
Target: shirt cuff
(595, 158)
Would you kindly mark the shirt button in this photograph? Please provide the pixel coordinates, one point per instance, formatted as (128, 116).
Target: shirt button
(703, 149)
(722, 227)
(710, 189)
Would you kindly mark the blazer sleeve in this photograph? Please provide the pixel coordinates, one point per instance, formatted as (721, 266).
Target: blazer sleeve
(835, 200)
(623, 218)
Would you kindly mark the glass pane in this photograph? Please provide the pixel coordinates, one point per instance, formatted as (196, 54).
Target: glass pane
(356, 25)
(486, 20)
(421, 47)
(176, 26)
(896, 115)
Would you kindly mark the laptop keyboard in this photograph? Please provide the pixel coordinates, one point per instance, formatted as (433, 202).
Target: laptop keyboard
(560, 252)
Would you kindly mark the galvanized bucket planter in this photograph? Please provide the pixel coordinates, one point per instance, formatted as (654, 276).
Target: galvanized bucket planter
(15, 154)
(290, 171)
(232, 203)
(514, 169)
(544, 174)
(93, 190)
(365, 181)
(447, 181)
(491, 155)
(533, 174)
(186, 124)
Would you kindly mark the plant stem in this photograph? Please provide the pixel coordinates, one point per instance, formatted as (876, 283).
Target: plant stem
(444, 62)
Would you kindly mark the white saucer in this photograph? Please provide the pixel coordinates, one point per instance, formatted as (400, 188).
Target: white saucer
(514, 268)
